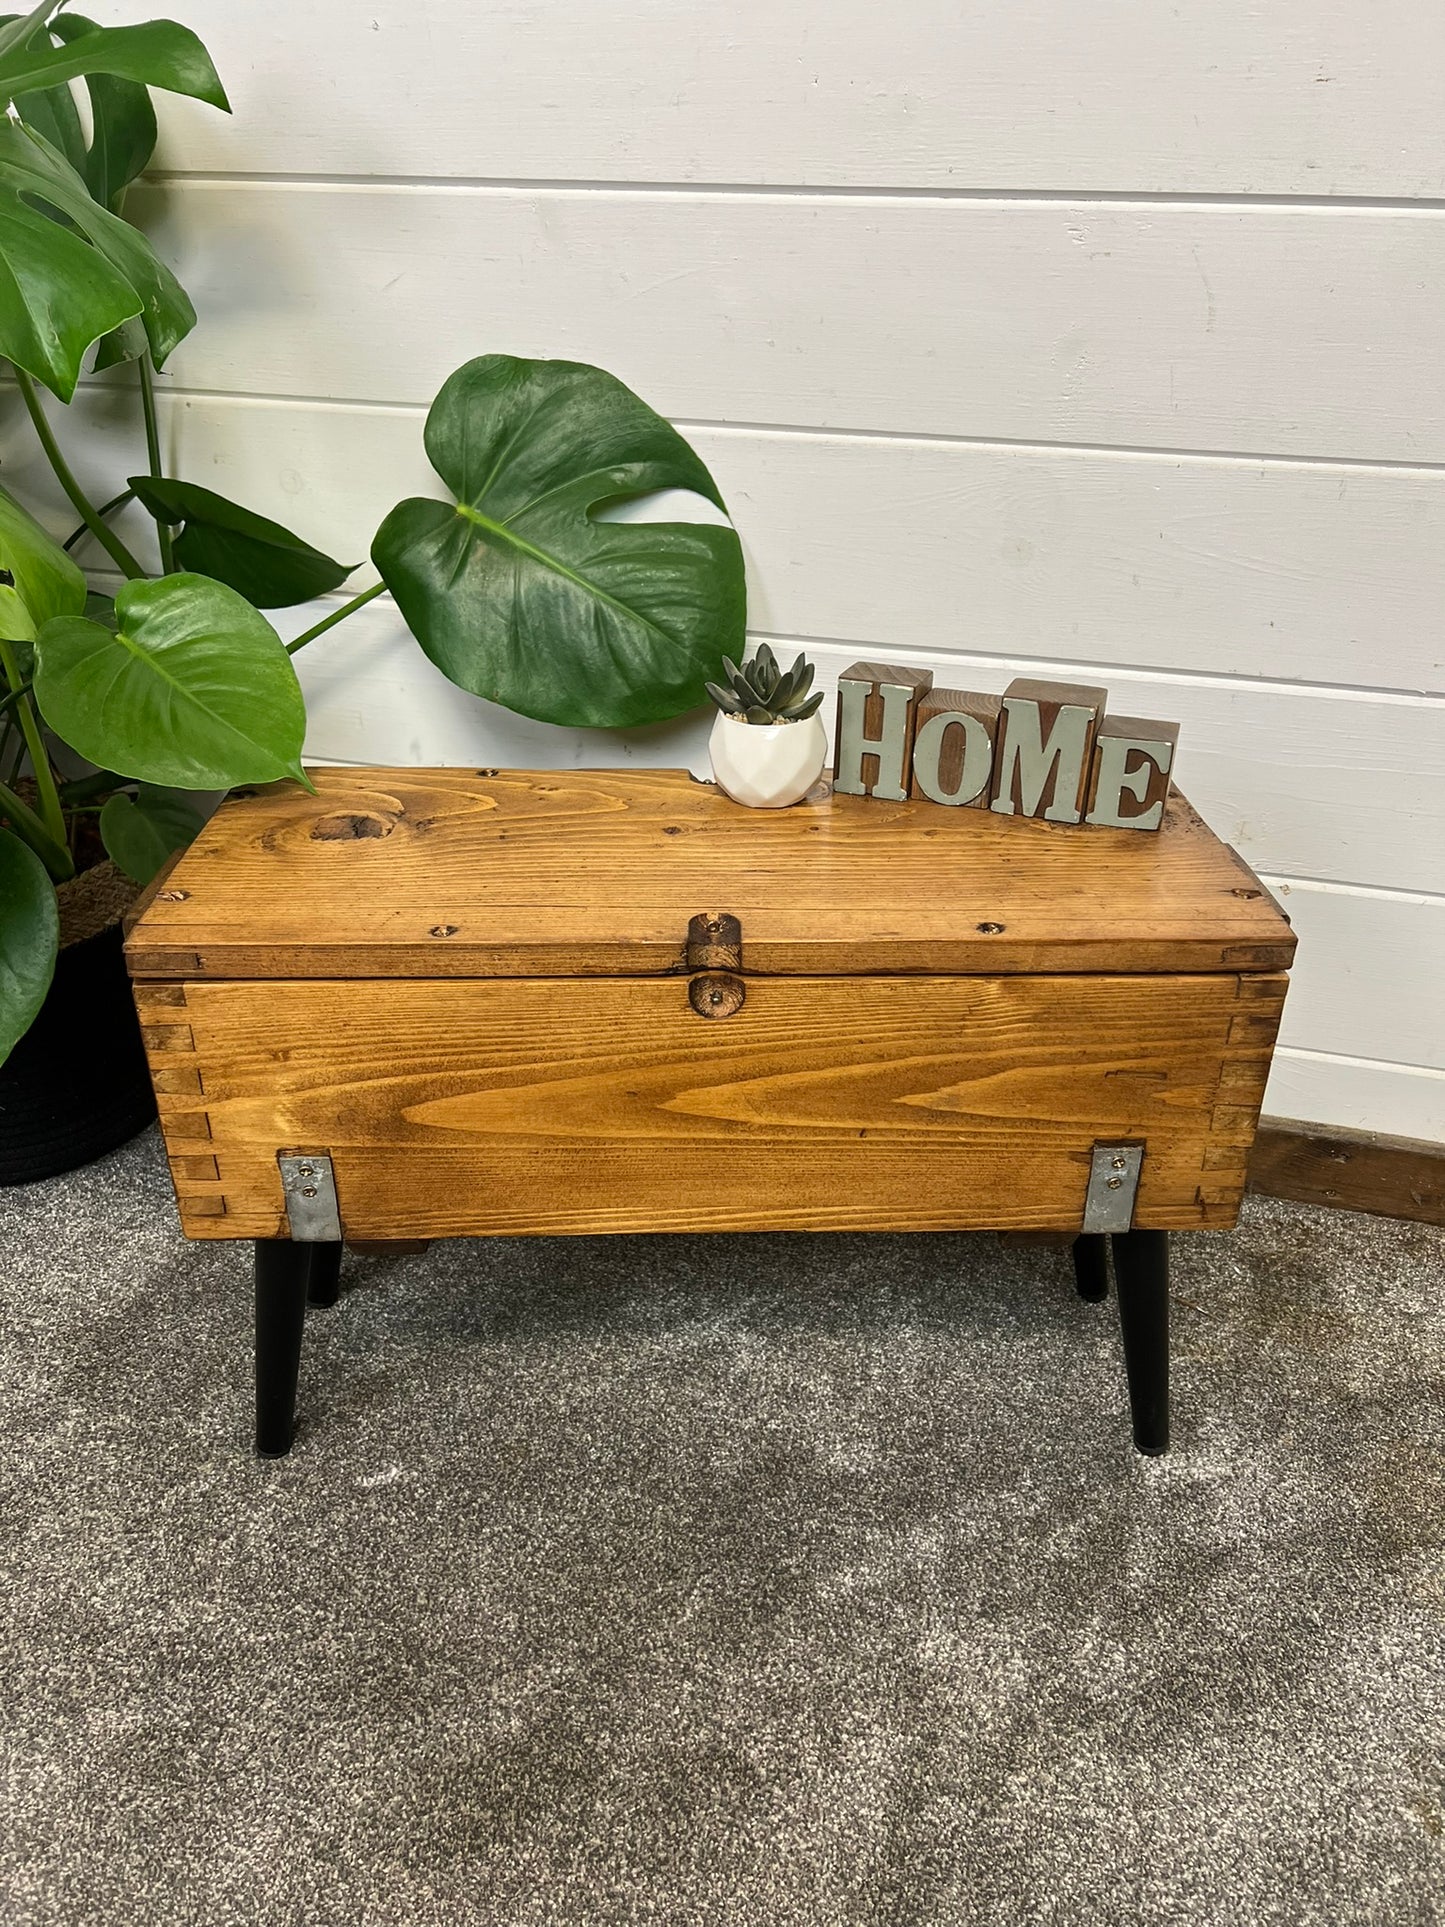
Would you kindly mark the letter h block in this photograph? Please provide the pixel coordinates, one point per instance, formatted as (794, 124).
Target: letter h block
(873, 743)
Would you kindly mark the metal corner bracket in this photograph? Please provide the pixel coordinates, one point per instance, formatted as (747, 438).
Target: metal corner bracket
(1113, 1185)
(308, 1184)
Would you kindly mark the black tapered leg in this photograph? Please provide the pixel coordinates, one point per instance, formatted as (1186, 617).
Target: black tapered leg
(324, 1284)
(1141, 1276)
(1091, 1266)
(282, 1270)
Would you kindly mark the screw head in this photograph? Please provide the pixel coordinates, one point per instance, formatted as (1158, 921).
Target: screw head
(308, 1190)
(1119, 1164)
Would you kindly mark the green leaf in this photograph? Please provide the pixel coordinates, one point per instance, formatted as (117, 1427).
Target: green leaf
(57, 295)
(29, 166)
(123, 124)
(143, 832)
(267, 564)
(156, 54)
(17, 29)
(193, 691)
(44, 581)
(517, 594)
(29, 938)
(53, 113)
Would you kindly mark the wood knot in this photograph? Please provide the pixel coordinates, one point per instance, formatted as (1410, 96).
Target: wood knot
(348, 826)
(715, 993)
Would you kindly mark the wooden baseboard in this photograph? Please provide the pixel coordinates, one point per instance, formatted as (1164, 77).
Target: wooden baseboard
(1395, 1177)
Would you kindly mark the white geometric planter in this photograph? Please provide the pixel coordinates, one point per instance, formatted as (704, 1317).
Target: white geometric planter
(767, 765)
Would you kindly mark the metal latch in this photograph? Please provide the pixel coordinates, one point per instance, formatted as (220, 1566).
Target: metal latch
(714, 942)
(1113, 1185)
(309, 1185)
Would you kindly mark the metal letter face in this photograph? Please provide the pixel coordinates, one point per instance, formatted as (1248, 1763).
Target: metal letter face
(895, 691)
(1062, 760)
(977, 760)
(1151, 746)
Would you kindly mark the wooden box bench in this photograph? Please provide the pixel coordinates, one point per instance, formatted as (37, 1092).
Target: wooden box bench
(455, 1003)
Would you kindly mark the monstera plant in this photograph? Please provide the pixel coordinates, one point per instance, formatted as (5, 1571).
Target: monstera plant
(114, 712)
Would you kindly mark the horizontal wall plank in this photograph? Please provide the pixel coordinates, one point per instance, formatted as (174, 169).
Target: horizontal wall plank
(1302, 572)
(1357, 1095)
(1256, 329)
(1302, 782)
(1299, 97)
(1374, 985)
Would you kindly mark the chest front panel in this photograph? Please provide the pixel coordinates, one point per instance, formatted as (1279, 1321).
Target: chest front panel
(457, 1107)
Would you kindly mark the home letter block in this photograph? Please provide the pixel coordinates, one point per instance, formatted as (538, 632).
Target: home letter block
(1134, 755)
(953, 743)
(1045, 742)
(875, 725)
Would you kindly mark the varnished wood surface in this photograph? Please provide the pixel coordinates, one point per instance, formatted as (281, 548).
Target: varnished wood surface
(511, 1106)
(455, 873)
(1393, 1177)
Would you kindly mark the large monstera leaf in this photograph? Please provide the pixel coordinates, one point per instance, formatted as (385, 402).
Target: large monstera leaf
(192, 689)
(517, 593)
(63, 286)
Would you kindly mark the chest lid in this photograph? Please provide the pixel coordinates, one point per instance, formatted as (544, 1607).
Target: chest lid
(567, 873)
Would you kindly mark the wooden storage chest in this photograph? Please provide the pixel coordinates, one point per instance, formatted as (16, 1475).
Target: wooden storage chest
(580, 1001)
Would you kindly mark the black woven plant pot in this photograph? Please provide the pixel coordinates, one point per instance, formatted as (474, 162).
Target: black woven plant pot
(76, 1084)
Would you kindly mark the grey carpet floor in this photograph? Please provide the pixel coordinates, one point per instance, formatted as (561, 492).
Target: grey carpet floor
(798, 1581)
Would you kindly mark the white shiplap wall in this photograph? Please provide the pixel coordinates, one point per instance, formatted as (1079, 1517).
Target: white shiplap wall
(1101, 335)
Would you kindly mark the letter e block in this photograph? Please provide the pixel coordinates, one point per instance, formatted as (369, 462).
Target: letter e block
(874, 739)
(1045, 746)
(953, 741)
(1133, 757)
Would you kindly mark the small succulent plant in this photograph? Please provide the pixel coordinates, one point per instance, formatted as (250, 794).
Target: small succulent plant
(759, 691)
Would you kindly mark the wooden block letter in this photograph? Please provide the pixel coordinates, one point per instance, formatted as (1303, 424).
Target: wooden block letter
(953, 742)
(1134, 756)
(1045, 742)
(875, 723)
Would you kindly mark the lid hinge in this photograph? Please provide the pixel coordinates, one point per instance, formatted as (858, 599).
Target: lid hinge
(309, 1185)
(714, 941)
(1113, 1185)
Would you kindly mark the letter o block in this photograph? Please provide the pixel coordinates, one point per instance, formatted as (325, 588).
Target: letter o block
(953, 744)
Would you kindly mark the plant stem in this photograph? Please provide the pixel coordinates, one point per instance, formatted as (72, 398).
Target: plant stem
(106, 508)
(337, 615)
(81, 788)
(10, 701)
(153, 456)
(29, 828)
(51, 813)
(112, 544)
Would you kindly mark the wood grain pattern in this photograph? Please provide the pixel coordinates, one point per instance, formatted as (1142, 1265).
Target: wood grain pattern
(1256, 331)
(1394, 1177)
(169, 1038)
(576, 873)
(1308, 97)
(847, 1103)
